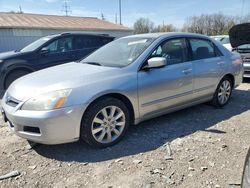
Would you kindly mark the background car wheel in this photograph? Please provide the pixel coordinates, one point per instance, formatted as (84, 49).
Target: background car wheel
(105, 122)
(223, 92)
(13, 76)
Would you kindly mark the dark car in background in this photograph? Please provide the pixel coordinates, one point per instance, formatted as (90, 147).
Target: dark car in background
(46, 52)
(240, 41)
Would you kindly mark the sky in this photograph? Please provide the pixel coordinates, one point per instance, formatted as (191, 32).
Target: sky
(159, 11)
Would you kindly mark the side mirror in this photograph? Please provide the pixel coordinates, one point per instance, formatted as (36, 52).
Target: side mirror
(156, 62)
(246, 174)
(44, 51)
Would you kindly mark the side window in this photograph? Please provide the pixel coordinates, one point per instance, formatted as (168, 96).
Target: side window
(104, 40)
(174, 50)
(60, 45)
(83, 42)
(202, 49)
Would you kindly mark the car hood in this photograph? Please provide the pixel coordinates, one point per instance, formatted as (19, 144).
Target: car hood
(66, 76)
(239, 35)
(10, 54)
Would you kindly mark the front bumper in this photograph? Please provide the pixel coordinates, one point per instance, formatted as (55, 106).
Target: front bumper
(46, 127)
(246, 69)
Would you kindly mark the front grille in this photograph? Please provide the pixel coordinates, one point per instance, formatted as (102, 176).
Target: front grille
(247, 72)
(245, 58)
(11, 101)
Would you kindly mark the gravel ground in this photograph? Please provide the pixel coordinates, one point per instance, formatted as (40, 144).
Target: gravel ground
(196, 147)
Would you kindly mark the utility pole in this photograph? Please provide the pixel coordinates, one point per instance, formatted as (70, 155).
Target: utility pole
(102, 16)
(242, 10)
(115, 18)
(20, 9)
(66, 8)
(120, 11)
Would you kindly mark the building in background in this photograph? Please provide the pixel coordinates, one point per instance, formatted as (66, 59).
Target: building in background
(19, 29)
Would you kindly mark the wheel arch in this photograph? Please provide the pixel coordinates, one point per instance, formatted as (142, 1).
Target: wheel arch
(231, 76)
(120, 97)
(13, 69)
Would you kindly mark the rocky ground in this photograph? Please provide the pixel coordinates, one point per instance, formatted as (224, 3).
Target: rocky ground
(196, 147)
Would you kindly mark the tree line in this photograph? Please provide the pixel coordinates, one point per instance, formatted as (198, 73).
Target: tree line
(208, 24)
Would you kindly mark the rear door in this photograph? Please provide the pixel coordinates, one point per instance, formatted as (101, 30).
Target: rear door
(208, 64)
(169, 86)
(59, 51)
(86, 44)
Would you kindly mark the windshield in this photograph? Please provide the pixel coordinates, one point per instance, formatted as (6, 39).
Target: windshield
(244, 46)
(119, 53)
(34, 45)
(225, 40)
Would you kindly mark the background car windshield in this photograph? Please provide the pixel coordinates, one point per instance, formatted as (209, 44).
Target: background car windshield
(245, 46)
(119, 53)
(33, 46)
(225, 40)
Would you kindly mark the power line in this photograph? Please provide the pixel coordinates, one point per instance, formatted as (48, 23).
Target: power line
(66, 8)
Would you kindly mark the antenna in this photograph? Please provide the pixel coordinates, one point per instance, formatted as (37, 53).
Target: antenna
(66, 8)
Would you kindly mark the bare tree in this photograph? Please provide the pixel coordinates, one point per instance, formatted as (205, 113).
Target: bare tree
(209, 24)
(143, 25)
(165, 28)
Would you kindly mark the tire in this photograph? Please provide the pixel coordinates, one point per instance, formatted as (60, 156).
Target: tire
(100, 131)
(223, 92)
(245, 182)
(11, 77)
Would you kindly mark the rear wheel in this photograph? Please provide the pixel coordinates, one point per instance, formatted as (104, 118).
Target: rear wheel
(13, 76)
(223, 92)
(105, 122)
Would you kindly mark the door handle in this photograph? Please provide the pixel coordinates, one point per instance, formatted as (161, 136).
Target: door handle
(187, 71)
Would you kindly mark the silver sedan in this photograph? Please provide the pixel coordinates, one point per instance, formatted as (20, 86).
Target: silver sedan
(125, 82)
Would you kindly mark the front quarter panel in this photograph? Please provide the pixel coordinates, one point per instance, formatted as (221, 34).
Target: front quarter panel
(124, 84)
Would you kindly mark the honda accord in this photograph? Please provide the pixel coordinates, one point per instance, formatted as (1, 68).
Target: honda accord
(125, 82)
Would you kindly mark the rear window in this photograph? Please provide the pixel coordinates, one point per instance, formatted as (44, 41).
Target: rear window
(202, 49)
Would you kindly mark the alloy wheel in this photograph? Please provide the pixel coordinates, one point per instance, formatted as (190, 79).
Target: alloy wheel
(108, 124)
(224, 92)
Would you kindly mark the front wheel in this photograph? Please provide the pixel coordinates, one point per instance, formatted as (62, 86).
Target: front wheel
(105, 122)
(14, 76)
(223, 92)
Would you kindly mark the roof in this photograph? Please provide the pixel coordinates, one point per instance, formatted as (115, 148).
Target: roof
(40, 21)
(169, 34)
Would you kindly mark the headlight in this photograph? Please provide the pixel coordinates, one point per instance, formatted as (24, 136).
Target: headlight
(1, 61)
(47, 101)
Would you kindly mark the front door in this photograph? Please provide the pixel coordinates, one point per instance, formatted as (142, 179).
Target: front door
(169, 86)
(58, 52)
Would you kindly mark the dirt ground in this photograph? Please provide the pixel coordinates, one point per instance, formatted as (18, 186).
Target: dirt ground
(196, 147)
